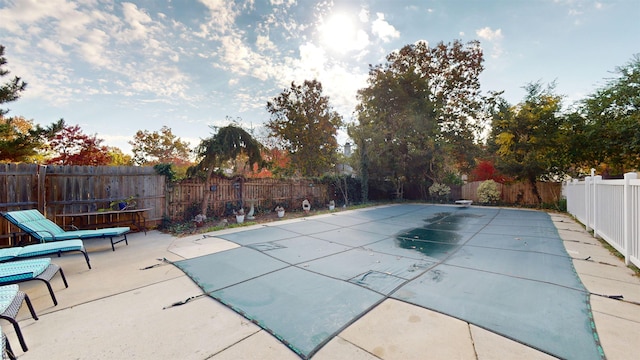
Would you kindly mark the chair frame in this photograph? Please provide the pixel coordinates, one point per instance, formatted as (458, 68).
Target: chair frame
(12, 311)
(8, 352)
(47, 252)
(45, 233)
(45, 277)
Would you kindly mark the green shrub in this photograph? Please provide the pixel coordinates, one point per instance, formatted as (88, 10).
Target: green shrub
(439, 191)
(488, 192)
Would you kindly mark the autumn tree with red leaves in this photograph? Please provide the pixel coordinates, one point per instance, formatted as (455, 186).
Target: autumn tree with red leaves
(485, 170)
(71, 146)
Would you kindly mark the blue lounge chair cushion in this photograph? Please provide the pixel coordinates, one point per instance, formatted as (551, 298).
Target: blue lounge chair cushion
(9, 253)
(48, 248)
(38, 226)
(7, 295)
(43, 249)
(22, 270)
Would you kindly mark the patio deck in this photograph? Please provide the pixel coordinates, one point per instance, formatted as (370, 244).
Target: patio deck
(117, 310)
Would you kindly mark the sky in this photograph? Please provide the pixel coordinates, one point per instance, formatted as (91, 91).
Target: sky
(116, 67)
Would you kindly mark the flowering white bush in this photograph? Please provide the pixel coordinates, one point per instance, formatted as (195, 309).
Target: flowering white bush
(488, 192)
(439, 190)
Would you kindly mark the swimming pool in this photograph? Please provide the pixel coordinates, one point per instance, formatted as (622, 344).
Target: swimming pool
(504, 270)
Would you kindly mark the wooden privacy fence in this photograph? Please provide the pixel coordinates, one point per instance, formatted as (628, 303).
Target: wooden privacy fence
(56, 190)
(223, 192)
(517, 193)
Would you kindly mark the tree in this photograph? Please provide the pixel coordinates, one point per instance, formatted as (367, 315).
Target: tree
(9, 91)
(150, 148)
(531, 138)
(118, 157)
(305, 123)
(609, 121)
(276, 159)
(226, 144)
(416, 116)
(76, 148)
(22, 141)
(485, 170)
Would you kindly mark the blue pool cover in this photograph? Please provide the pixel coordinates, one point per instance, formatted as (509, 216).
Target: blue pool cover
(503, 270)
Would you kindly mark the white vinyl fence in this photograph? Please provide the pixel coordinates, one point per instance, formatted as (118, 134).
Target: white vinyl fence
(609, 208)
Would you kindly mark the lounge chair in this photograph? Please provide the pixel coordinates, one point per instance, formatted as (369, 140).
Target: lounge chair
(39, 227)
(15, 272)
(5, 347)
(11, 299)
(43, 249)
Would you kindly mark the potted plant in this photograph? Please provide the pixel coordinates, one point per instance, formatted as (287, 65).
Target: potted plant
(199, 219)
(123, 204)
(239, 215)
(280, 211)
(332, 205)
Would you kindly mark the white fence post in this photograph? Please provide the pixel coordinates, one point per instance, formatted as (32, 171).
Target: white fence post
(596, 180)
(628, 220)
(587, 202)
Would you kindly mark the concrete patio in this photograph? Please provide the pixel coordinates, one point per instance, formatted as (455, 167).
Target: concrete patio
(122, 309)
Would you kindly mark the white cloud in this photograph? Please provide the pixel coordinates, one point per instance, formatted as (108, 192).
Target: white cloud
(137, 20)
(364, 15)
(222, 15)
(51, 47)
(163, 81)
(132, 52)
(27, 12)
(283, 2)
(312, 61)
(341, 84)
(381, 28)
(495, 38)
(487, 33)
(263, 43)
(93, 49)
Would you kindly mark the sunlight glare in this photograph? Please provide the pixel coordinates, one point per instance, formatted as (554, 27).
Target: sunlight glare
(340, 33)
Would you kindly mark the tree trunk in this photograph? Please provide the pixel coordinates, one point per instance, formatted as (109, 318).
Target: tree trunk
(534, 188)
(205, 198)
(364, 172)
(346, 192)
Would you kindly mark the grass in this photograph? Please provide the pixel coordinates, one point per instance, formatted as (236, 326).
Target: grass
(615, 253)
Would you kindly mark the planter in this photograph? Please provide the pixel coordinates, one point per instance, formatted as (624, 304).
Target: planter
(331, 207)
(306, 206)
(239, 219)
(199, 223)
(281, 213)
